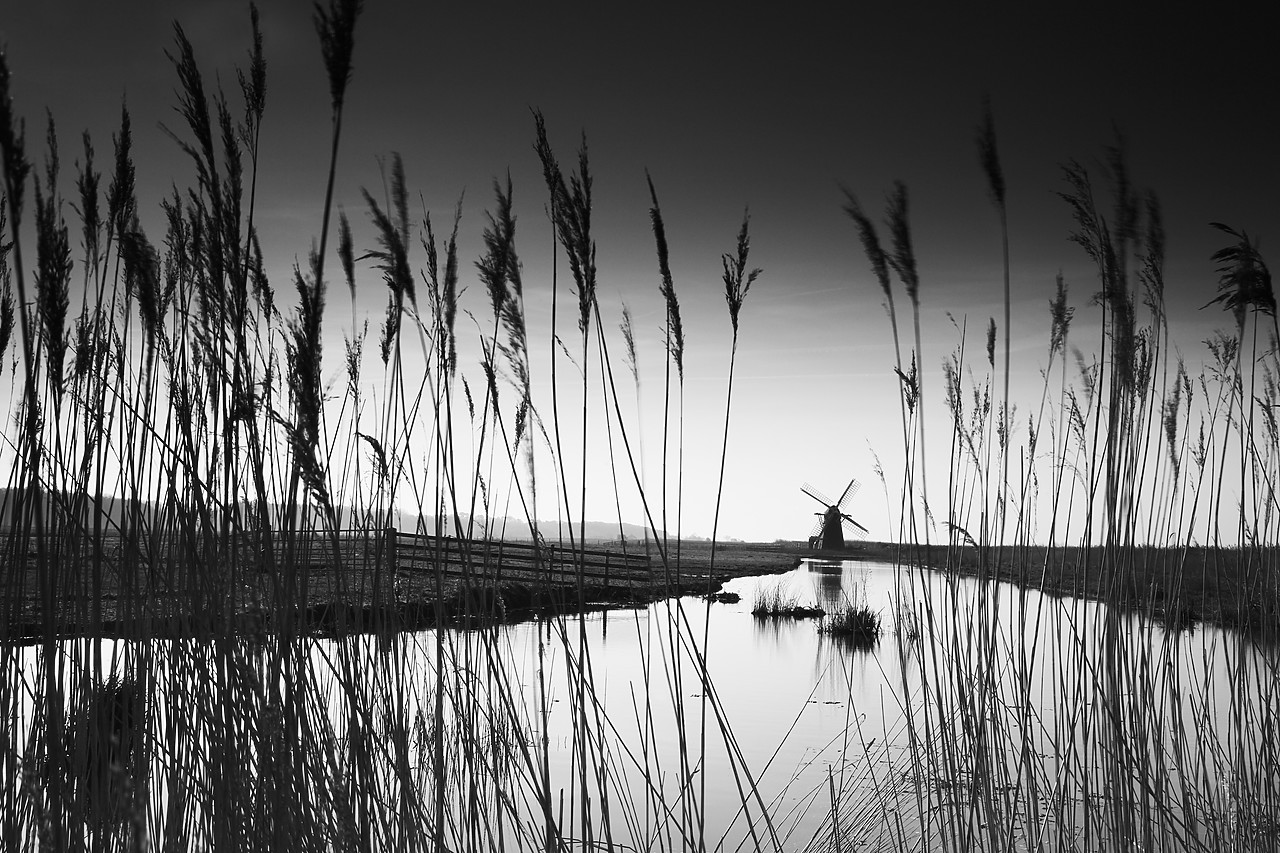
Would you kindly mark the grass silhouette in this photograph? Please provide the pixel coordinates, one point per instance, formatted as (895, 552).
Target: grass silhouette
(187, 387)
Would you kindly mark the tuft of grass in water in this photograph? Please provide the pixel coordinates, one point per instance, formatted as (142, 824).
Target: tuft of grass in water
(775, 601)
(854, 621)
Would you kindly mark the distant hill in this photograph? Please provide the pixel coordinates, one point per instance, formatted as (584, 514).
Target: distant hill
(114, 511)
(517, 529)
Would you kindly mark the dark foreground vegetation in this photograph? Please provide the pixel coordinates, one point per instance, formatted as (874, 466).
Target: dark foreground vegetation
(194, 655)
(220, 671)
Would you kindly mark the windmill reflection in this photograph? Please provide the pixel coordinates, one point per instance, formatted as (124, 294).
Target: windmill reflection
(828, 583)
(841, 589)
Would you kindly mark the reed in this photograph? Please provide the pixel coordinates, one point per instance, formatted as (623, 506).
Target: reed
(268, 736)
(184, 490)
(1127, 466)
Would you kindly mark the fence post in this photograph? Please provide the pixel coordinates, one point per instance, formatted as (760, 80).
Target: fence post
(384, 572)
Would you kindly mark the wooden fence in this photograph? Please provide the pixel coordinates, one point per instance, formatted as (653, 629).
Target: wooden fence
(365, 567)
(493, 560)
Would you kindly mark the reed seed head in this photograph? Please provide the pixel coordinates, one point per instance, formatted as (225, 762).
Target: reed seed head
(12, 144)
(87, 181)
(629, 338)
(909, 385)
(142, 278)
(122, 203)
(336, 27)
(449, 290)
(1244, 282)
(989, 156)
(675, 326)
(355, 356)
(379, 454)
(1060, 316)
(53, 267)
(392, 256)
(253, 86)
(903, 259)
(303, 352)
(870, 243)
(737, 281)
(571, 217)
(1152, 272)
(193, 106)
(1172, 408)
(494, 267)
(346, 252)
(1125, 214)
(6, 289)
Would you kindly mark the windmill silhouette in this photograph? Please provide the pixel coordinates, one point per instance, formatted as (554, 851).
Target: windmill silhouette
(828, 531)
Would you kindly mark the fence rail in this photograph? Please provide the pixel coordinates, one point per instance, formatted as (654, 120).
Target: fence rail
(134, 584)
(363, 565)
(494, 560)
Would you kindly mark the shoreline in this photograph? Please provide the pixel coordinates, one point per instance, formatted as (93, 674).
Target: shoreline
(328, 612)
(1178, 587)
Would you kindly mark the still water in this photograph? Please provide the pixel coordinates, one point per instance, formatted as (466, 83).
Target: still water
(1080, 707)
(1076, 722)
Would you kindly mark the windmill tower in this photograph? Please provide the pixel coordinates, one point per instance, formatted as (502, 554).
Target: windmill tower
(828, 531)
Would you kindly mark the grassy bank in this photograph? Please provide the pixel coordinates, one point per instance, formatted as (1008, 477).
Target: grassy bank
(1178, 586)
(342, 597)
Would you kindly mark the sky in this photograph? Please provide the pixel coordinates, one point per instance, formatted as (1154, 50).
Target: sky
(727, 108)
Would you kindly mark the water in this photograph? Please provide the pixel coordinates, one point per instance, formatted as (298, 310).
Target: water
(1049, 686)
(1023, 719)
(1081, 706)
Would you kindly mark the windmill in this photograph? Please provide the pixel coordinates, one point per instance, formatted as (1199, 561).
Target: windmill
(828, 531)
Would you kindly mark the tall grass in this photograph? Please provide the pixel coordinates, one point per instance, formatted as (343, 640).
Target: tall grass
(774, 599)
(1020, 736)
(187, 499)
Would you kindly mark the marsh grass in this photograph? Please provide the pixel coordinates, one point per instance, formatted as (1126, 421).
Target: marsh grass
(854, 620)
(857, 623)
(165, 686)
(187, 386)
(1135, 451)
(774, 600)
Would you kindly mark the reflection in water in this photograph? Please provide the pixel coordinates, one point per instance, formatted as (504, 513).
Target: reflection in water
(976, 698)
(828, 582)
(985, 697)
